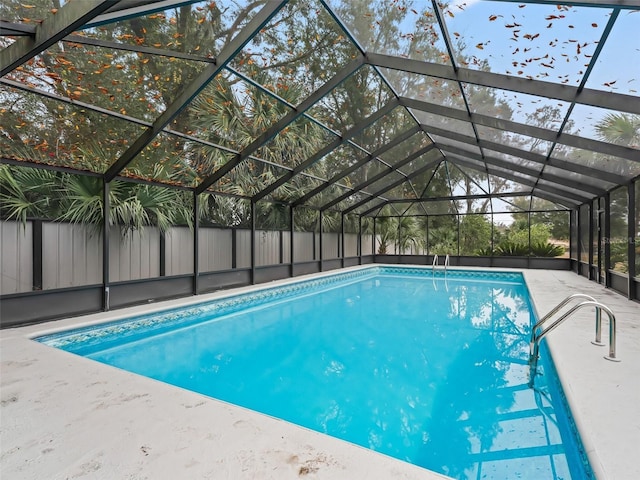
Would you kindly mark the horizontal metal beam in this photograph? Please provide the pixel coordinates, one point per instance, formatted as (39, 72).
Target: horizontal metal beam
(333, 180)
(228, 52)
(144, 123)
(135, 8)
(558, 196)
(569, 196)
(498, 162)
(281, 124)
(45, 166)
(387, 170)
(522, 129)
(68, 18)
(414, 174)
(14, 29)
(477, 196)
(566, 93)
(570, 167)
(316, 157)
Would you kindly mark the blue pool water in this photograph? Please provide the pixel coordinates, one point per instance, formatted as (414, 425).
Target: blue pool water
(427, 368)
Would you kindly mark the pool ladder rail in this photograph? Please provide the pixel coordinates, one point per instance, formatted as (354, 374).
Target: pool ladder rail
(537, 336)
(435, 262)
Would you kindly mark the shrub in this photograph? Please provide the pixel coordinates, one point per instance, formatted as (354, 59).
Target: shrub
(512, 249)
(546, 250)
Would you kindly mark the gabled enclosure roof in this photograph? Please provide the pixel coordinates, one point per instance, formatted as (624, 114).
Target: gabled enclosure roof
(357, 106)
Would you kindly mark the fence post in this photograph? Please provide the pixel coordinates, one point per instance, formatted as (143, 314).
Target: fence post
(196, 243)
(607, 236)
(234, 248)
(341, 245)
(105, 244)
(291, 232)
(163, 254)
(631, 239)
(36, 245)
(359, 245)
(373, 241)
(253, 243)
(321, 252)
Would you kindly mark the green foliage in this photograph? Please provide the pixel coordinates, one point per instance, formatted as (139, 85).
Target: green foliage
(475, 234)
(512, 249)
(620, 128)
(546, 250)
(35, 193)
(405, 232)
(519, 233)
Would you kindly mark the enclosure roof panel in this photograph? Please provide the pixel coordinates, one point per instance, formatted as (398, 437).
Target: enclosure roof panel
(357, 106)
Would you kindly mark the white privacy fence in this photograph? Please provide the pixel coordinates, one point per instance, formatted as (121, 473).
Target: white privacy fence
(71, 254)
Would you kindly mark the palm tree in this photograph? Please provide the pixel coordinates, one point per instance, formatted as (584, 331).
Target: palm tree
(620, 128)
(36, 193)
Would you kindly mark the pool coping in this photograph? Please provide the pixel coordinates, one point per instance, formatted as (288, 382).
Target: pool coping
(611, 458)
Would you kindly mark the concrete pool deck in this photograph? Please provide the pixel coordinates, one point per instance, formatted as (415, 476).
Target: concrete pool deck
(63, 416)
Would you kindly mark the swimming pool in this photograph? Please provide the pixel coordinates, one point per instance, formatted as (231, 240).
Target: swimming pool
(421, 366)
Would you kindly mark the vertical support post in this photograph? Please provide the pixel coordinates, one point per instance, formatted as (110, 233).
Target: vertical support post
(291, 232)
(607, 237)
(458, 220)
(427, 239)
(631, 240)
(321, 253)
(373, 241)
(234, 248)
(571, 220)
(399, 241)
(196, 243)
(253, 243)
(280, 247)
(342, 238)
(106, 207)
(493, 240)
(36, 245)
(529, 241)
(578, 227)
(359, 246)
(590, 259)
(163, 255)
(313, 245)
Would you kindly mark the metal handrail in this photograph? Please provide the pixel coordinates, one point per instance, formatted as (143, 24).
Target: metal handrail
(556, 309)
(534, 345)
(435, 262)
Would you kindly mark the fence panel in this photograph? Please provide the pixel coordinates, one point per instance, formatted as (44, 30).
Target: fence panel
(243, 248)
(267, 247)
(303, 246)
(134, 254)
(350, 244)
(330, 247)
(367, 244)
(178, 251)
(215, 249)
(71, 255)
(16, 257)
(286, 246)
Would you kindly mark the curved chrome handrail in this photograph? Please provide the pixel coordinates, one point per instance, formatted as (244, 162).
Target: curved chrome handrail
(446, 262)
(558, 308)
(535, 346)
(435, 261)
